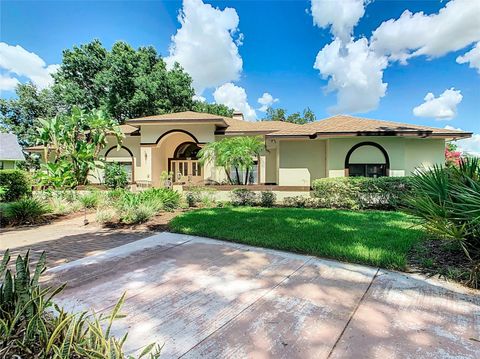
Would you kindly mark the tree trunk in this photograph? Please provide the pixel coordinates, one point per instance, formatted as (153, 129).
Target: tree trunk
(238, 175)
(228, 176)
(246, 176)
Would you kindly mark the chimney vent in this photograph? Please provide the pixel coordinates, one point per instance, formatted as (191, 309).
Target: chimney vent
(237, 115)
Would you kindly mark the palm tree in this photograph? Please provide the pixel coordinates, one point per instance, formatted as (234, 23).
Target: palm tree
(233, 152)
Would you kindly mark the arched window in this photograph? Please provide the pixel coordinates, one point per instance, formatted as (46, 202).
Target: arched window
(187, 150)
(367, 159)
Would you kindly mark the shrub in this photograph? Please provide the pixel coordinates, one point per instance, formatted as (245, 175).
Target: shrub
(267, 199)
(167, 199)
(297, 201)
(138, 214)
(25, 210)
(447, 200)
(243, 197)
(362, 192)
(105, 215)
(16, 184)
(33, 326)
(115, 175)
(90, 199)
(191, 198)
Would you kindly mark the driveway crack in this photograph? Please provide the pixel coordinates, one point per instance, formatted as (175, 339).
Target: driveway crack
(353, 313)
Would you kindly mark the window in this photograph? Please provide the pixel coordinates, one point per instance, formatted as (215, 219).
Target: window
(252, 174)
(367, 170)
(367, 159)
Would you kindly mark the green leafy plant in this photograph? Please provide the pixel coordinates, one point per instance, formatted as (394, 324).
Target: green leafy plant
(90, 199)
(237, 153)
(243, 197)
(115, 175)
(267, 199)
(15, 185)
(192, 198)
(25, 210)
(32, 325)
(296, 201)
(361, 192)
(72, 143)
(447, 200)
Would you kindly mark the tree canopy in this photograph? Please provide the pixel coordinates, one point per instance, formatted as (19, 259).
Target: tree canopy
(124, 82)
(280, 114)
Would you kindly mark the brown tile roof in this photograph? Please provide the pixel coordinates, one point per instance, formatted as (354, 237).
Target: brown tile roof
(185, 116)
(240, 126)
(350, 125)
(128, 130)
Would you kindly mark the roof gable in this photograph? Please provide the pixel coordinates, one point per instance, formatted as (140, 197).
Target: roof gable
(9, 148)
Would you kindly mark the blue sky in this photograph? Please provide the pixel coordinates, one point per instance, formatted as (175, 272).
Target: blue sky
(277, 51)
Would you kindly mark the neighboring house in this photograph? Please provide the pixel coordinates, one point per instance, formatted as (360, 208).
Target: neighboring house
(10, 151)
(295, 155)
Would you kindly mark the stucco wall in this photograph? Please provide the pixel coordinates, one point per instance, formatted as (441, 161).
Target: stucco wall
(300, 162)
(423, 153)
(405, 154)
(203, 133)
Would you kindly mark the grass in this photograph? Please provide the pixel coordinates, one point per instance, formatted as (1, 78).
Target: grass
(375, 238)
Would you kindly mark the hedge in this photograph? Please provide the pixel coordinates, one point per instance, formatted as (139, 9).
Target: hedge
(15, 184)
(362, 192)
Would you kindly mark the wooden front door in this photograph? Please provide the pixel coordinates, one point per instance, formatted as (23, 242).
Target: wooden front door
(186, 171)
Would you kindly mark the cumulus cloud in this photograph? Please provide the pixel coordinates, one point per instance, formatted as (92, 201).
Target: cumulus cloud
(472, 57)
(468, 145)
(454, 27)
(234, 97)
(443, 107)
(16, 61)
(206, 45)
(341, 15)
(8, 83)
(266, 101)
(355, 72)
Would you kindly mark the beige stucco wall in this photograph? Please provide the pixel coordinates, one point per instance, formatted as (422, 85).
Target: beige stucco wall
(405, 153)
(423, 153)
(300, 161)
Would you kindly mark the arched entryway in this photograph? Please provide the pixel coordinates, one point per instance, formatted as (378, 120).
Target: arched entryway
(175, 155)
(124, 156)
(185, 164)
(367, 159)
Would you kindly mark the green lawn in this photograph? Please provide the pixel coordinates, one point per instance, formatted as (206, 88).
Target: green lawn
(370, 237)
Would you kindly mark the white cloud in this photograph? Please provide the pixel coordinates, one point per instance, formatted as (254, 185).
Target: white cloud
(17, 61)
(235, 97)
(469, 145)
(443, 107)
(267, 100)
(355, 73)
(341, 15)
(453, 28)
(198, 98)
(8, 83)
(472, 57)
(206, 45)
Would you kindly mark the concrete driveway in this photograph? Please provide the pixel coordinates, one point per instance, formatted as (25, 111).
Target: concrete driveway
(215, 299)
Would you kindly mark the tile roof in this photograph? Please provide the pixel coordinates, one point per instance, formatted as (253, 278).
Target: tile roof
(9, 148)
(350, 125)
(332, 126)
(184, 116)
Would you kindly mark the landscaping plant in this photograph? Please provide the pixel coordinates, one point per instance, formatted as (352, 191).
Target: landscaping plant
(25, 210)
(447, 200)
(33, 326)
(233, 153)
(73, 142)
(267, 199)
(15, 184)
(243, 197)
(115, 175)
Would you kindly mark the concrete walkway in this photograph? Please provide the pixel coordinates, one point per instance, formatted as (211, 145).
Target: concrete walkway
(215, 299)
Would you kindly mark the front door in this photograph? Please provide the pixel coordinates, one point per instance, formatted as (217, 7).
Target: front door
(186, 171)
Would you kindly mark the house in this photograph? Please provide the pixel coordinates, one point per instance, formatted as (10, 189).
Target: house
(10, 151)
(295, 155)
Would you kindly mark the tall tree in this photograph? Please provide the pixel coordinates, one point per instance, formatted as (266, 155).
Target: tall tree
(20, 115)
(280, 114)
